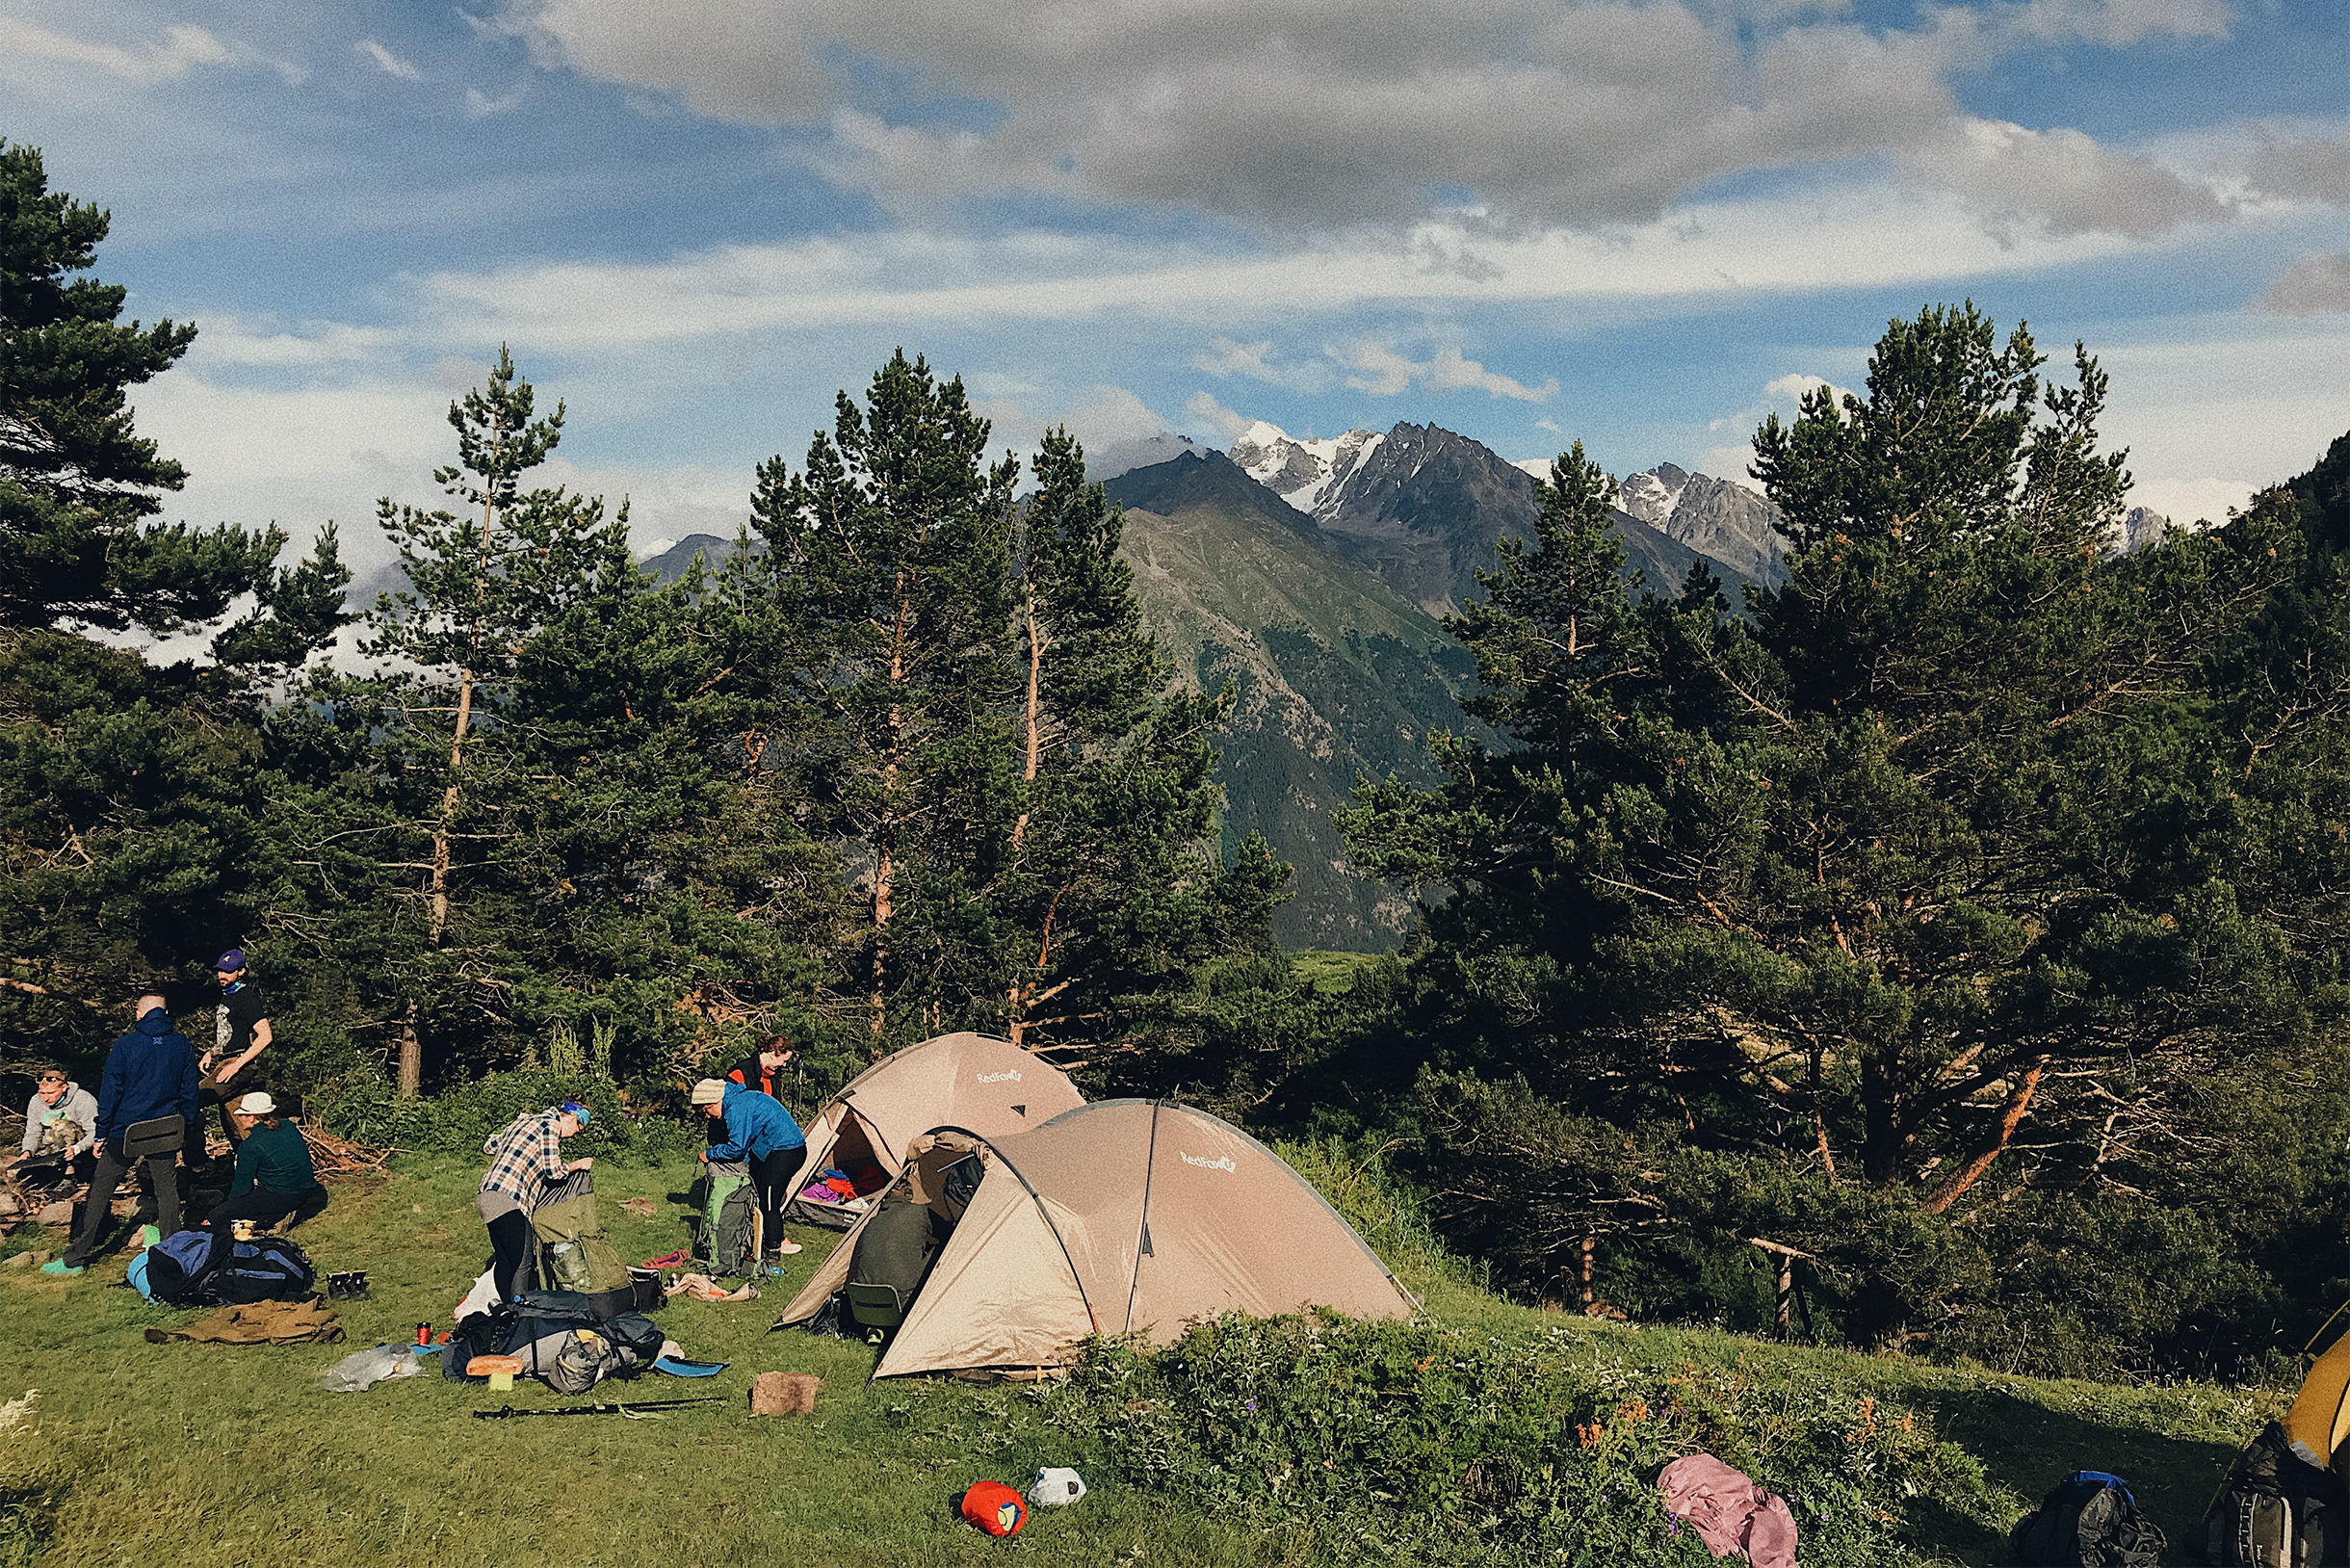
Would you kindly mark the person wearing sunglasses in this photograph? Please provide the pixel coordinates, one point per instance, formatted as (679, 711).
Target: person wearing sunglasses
(61, 1122)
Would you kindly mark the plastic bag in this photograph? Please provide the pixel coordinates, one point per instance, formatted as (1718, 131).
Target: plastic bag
(364, 1368)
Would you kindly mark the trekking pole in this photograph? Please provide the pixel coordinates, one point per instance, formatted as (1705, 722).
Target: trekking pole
(629, 1408)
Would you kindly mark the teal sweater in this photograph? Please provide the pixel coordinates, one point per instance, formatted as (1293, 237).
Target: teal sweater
(275, 1157)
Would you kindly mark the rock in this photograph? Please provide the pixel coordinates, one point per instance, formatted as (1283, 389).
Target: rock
(22, 1260)
(59, 1213)
(784, 1394)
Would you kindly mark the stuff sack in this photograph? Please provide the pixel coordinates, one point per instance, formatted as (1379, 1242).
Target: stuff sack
(995, 1508)
(2278, 1508)
(2089, 1517)
(731, 1228)
(573, 1253)
(1729, 1512)
(197, 1268)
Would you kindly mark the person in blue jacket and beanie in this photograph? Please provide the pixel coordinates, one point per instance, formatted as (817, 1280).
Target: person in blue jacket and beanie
(150, 1072)
(762, 1132)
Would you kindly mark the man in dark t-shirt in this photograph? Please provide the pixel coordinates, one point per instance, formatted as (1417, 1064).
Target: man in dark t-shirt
(240, 1031)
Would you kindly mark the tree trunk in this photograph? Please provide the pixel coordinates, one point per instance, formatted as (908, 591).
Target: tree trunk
(411, 1056)
(885, 830)
(1958, 1181)
(1035, 729)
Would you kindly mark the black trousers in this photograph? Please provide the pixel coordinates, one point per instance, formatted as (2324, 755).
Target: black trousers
(264, 1207)
(771, 1174)
(161, 1168)
(510, 1238)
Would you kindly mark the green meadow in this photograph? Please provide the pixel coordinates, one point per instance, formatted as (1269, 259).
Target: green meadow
(141, 1453)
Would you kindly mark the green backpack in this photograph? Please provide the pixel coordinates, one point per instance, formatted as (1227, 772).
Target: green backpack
(573, 1253)
(732, 1229)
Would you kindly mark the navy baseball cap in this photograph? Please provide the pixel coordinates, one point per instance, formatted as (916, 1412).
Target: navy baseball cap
(574, 1108)
(229, 962)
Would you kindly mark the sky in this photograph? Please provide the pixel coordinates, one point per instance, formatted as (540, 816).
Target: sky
(1639, 225)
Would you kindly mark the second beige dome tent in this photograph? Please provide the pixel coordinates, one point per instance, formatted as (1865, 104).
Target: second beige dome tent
(991, 1087)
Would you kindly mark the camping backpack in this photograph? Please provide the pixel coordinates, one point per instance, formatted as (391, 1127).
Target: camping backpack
(2278, 1510)
(573, 1253)
(2088, 1518)
(731, 1228)
(198, 1268)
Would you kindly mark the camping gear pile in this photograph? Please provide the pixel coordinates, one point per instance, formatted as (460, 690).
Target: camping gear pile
(1127, 1216)
(859, 1140)
(559, 1337)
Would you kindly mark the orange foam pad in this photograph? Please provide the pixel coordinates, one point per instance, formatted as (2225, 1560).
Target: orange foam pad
(486, 1366)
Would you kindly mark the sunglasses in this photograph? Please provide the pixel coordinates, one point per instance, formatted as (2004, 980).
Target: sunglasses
(53, 1077)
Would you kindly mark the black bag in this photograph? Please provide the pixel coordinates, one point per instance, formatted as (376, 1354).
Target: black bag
(193, 1268)
(2278, 1510)
(2088, 1520)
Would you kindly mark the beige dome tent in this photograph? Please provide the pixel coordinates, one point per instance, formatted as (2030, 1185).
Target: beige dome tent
(1123, 1217)
(991, 1087)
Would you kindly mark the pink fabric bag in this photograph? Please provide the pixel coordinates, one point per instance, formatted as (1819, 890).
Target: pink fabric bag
(1729, 1512)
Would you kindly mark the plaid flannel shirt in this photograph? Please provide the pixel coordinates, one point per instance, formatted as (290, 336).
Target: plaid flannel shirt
(525, 1158)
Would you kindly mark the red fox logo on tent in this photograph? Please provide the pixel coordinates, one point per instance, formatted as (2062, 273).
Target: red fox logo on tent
(1010, 1074)
(1206, 1164)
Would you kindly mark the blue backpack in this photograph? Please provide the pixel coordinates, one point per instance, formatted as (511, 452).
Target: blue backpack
(197, 1269)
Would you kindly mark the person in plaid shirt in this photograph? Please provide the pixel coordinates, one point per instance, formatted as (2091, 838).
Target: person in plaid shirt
(525, 1160)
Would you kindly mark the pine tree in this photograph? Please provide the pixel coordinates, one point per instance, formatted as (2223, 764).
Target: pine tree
(1919, 853)
(128, 791)
(889, 557)
(482, 585)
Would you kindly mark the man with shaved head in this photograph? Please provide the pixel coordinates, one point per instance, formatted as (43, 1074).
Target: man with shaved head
(150, 1074)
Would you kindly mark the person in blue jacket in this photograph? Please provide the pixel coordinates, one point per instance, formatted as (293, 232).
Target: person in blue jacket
(762, 1132)
(150, 1072)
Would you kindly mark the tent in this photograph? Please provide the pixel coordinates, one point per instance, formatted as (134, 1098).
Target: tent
(2319, 1420)
(991, 1087)
(1126, 1216)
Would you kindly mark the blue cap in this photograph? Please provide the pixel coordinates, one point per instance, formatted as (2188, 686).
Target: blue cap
(229, 962)
(574, 1108)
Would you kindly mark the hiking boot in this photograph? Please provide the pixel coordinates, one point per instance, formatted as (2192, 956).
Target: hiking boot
(59, 1265)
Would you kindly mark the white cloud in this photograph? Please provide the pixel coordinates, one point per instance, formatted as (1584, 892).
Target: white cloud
(1341, 112)
(391, 63)
(1206, 413)
(1103, 414)
(183, 48)
(1728, 462)
(1383, 373)
(1551, 425)
(1792, 387)
(2065, 180)
(480, 105)
(1254, 361)
(2309, 287)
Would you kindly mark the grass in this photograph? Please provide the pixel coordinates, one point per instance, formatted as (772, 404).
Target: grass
(1329, 972)
(140, 1453)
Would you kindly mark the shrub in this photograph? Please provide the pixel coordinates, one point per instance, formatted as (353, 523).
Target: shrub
(459, 1120)
(1422, 1444)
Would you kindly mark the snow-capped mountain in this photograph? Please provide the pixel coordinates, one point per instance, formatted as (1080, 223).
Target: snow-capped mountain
(1713, 516)
(1423, 506)
(1310, 474)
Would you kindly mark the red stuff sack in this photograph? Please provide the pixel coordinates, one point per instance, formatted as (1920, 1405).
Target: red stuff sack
(995, 1508)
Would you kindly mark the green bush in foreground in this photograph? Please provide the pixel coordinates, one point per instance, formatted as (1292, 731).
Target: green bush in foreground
(1419, 1443)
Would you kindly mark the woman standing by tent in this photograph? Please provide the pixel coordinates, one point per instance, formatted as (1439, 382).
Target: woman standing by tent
(762, 1132)
(525, 1160)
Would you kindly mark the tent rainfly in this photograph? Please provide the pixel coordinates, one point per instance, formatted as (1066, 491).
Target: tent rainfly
(2319, 1420)
(991, 1087)
(1125, 1216)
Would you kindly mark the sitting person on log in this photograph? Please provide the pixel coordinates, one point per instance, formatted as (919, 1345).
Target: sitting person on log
(274, 1185)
